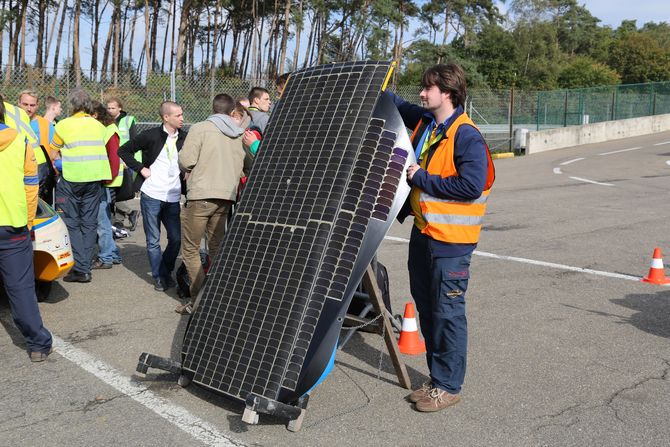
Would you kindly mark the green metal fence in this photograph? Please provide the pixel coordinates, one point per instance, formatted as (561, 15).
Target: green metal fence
(562, 108)
(141, 96)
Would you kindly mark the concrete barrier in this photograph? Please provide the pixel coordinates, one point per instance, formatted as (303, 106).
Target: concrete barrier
(562, 137)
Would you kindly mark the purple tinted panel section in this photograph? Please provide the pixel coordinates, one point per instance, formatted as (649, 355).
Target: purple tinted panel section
(400, 151)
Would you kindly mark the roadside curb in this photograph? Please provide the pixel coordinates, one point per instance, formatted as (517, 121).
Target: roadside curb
(496, 155)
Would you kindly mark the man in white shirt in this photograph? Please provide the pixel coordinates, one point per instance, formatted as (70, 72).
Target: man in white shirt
(161, 187)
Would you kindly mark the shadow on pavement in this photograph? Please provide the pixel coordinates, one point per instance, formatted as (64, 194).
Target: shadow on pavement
(370, 354)
(653, 312)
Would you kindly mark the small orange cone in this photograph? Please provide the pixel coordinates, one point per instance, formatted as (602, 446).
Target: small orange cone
(409, 342)
(656, 272)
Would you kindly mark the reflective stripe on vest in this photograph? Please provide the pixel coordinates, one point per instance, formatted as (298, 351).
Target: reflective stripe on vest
(84, 154)
(13, 203)
(17, 118)
(449, 220)
(110, 131)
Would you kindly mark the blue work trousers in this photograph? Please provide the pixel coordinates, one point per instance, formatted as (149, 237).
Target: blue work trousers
(155, 212)
(18, 277)
(438, 286)
(108, 251)
(78, 205)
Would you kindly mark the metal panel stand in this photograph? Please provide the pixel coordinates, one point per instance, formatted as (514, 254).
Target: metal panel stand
(377, 302)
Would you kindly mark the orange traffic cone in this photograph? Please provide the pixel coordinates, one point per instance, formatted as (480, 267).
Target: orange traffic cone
(409, 342)
(656, 272)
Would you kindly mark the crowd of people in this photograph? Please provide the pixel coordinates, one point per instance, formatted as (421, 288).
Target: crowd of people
(97, 150)
(90, 164)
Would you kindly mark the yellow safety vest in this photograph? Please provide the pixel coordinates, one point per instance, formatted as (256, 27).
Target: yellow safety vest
(13, 202)
(83, 153)
(110, 131)
(17, 118)
(448, 220)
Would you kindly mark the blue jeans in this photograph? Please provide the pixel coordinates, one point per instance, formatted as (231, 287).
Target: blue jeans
(155, 212)
(78, 205)
(438, 286)
(108, 251)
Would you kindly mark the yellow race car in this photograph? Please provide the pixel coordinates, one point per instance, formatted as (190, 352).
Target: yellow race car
(51, 247)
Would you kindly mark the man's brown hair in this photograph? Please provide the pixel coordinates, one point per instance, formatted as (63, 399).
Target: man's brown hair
(257, 92)
(449, 78)
(223, 104)
(116, 100)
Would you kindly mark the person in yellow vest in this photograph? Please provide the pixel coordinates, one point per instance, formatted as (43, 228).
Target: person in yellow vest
(80, 139)
(44, 130)
(450, 188)
(17, 118)
(108, 251)
(18, 204)
(127, 126)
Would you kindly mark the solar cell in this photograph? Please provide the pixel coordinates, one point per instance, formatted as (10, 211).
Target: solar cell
(324, 189)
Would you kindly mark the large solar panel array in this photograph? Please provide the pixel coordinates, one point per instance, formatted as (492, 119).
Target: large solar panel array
(328, 167)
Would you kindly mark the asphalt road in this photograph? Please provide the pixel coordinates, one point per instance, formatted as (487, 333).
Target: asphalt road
(567, 347)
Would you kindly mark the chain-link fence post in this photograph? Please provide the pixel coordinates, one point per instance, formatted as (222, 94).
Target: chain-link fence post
(173, 87)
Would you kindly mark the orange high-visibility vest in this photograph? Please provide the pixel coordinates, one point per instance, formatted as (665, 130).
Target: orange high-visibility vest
(449, 220)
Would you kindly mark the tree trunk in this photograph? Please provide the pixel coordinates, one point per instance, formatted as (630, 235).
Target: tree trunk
(108, 43)
(215, 43)
(298, 31)
(2, 34)
(183, 24)
(165, 37)
(24, 31)
(51, 35)
(233, 51)
(117, 42)
(173, 53)
(147, 50)
(154, 30)
(322, 37)
(133, 23)
(75, 43)
(193, 35)
(39, 56)
(13, 43)
(59, 39)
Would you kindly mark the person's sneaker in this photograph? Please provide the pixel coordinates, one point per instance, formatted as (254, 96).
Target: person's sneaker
(419, 394)
(77, 277)
(37, 357)
(132, 218)
(117, 261)
(184, 309)
(437, 400)
(98, 264)
(159, 285)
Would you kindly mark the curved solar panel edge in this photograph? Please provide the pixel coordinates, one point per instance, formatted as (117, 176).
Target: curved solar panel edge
(323, 192)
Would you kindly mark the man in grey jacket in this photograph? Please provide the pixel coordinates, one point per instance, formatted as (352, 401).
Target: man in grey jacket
(259, 108)
(213, 161)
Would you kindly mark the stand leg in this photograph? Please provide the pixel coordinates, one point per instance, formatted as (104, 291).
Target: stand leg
(370, 283)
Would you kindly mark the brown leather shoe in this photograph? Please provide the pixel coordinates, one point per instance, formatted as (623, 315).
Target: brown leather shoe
(419, 394)
(437, 400)
(37, 357)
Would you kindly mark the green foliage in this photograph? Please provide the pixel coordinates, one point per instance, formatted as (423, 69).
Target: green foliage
(639, 57)
(585, 72)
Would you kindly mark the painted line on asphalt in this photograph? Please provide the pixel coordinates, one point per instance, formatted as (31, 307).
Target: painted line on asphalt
(667, 162)
(174, 414)
(622, 150)
(593, 182)
(558, 171)
(540, 263)
(572, 161)
(662, 143)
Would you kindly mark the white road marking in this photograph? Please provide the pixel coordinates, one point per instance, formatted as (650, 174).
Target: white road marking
(540, 263)
(622, 150)
(572, 161)
(176, 415)
(662, 143)
(579, 179)
(558, 171)
(667, 162)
